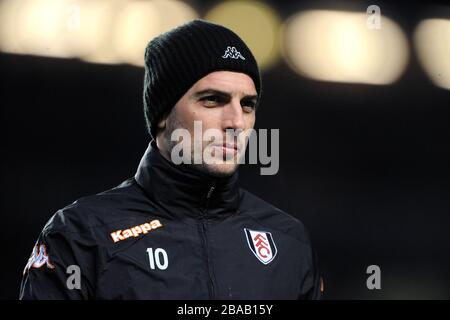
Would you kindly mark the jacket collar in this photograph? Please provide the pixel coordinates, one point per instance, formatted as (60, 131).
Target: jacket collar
(184, 191)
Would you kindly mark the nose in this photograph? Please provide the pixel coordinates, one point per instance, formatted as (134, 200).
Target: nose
(233, 116)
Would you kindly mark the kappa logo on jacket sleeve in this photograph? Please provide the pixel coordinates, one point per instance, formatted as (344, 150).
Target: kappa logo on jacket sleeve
(135, 231)
(261, 244)
(38, 258)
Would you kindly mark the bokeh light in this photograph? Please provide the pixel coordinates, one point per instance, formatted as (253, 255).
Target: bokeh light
(100, 31)
(256, 23)
(432, 43)
(140, 21)
(339, 46)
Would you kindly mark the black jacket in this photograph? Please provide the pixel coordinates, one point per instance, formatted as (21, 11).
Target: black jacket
(172, 232)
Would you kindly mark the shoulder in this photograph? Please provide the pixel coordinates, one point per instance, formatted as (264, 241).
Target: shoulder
(269, 216)
(90, 212)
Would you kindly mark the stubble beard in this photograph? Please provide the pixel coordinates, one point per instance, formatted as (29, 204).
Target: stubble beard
(215, 170)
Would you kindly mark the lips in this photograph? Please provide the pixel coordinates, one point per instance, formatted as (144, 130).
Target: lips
(230, 146)
(227, 145)
(228, 149)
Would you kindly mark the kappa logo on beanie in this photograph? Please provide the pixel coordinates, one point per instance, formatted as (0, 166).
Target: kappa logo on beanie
(231, 52)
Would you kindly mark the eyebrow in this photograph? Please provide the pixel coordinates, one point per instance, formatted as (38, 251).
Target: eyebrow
(221, 93)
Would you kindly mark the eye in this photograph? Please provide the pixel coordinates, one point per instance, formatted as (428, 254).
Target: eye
(248, 105)
(212, 100)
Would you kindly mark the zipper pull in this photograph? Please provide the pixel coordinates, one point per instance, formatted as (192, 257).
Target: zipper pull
(208, 196)
(211, 190)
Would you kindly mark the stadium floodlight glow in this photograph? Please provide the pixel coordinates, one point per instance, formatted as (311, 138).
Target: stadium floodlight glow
(55, 28)
(100, 31)
(256, 23)
(33, 27)
(88, 30)
(339, 46)
(8, 17)
(141, 21)
(432, 44)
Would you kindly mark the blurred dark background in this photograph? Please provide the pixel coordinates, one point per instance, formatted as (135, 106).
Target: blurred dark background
(365, 167)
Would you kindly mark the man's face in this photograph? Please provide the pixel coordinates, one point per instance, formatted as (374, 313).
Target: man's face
(224, 101)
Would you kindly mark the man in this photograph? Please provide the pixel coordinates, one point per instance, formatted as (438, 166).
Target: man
(181, 231)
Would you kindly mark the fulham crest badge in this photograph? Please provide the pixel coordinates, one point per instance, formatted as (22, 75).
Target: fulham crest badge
(261, 244)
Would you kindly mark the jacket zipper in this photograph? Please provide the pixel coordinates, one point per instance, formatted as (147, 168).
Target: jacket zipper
(205, 242)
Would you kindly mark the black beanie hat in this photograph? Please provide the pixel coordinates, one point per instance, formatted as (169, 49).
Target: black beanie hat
(175, 60)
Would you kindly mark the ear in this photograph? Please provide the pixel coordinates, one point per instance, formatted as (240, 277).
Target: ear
(160, 140)
(162, 123)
